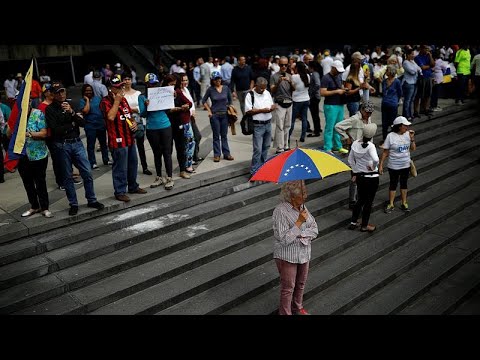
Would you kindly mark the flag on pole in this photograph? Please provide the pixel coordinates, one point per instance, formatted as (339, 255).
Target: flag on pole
(18, 122)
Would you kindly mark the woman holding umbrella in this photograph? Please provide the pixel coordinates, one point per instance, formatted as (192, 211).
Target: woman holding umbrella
(294, 228)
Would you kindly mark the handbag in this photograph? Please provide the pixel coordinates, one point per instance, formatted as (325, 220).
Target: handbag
(413, 169)
(247, 120)
(140, 133)
(232, 118)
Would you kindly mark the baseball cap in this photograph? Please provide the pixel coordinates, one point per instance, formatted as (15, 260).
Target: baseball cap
(370, 130)
(337, 64)
(151, 78)
(358, 55)
(401, 120)
(215, 75)
(115, 81)
(46, 87)
(56, 87)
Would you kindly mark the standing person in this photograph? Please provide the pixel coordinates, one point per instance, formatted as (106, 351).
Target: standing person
(121, 140)
(462, 64)
(89, 106)
(392, 93)
(189, 127)
(33, 166)
(363, 159)
(65, 123)
(220, 97)
(409, 87)
(242, 75)
(351, 129)
(314, 93)
(294, 228)
(132, 97)
(301, 99)
(10, 86)
(397, 147)
(282, 88)
(181, 129)
(159, 135)
(261, 110)
(332, 90)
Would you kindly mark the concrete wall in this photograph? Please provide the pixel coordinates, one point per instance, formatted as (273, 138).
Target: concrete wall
(24, 52)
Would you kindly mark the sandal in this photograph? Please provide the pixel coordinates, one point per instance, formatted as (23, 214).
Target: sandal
(368, 228)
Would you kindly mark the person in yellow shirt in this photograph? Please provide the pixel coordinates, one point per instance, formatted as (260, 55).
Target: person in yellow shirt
(462, 64)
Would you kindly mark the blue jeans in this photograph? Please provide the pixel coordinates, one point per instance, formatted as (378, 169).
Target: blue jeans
(74, 153)
(219, 124)
(124, 169)
(92, 135)
(409, 91)
(262, 138)
(353, 107)
(302, 109)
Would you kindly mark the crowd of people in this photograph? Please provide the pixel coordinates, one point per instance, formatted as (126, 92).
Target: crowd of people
(275, 91)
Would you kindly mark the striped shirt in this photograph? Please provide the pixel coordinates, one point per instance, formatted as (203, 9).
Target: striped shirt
(119, 133)
(292, 244)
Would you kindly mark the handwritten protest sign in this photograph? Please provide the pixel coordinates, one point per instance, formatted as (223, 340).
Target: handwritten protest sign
(161, 98)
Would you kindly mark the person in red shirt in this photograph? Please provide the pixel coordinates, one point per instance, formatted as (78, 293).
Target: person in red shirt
(121, 140)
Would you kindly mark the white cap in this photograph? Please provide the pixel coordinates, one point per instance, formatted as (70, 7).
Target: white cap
(337, 64)
(370, 130)
(401, 120)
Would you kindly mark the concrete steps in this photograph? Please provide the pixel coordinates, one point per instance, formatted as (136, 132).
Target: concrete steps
(211, 253)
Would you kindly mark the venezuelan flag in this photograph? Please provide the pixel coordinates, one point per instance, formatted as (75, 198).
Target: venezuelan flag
(18, 122)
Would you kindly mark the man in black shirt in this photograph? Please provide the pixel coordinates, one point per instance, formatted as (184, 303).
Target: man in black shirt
(64, 124)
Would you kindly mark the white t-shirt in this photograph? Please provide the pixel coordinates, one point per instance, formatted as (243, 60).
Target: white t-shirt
(399, 147)
(300, 94)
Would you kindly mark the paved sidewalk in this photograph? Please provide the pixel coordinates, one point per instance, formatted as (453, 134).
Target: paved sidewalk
(13, 198)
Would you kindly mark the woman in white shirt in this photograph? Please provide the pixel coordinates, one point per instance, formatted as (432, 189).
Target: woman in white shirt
(397, 147)
(301, 98)
(363, 159)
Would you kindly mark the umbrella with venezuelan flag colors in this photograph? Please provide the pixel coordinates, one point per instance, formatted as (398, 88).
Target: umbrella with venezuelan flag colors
(299, 164)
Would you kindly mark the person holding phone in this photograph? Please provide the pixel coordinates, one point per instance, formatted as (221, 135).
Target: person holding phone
(65, 124)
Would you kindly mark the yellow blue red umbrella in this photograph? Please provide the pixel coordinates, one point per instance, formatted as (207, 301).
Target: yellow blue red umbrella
(299, 164)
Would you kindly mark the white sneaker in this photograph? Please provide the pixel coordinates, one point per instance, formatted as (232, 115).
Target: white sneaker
(158, 181)
(169, 183)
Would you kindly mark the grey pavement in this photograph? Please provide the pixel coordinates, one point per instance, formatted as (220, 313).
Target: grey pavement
(13, 198)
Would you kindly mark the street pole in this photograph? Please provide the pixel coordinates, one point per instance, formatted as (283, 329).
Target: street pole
(73, 70)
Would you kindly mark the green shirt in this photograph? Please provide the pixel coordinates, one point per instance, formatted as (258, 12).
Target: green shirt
(463, 59)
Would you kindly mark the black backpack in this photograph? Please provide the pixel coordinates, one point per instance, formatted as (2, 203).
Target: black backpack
(247, 120)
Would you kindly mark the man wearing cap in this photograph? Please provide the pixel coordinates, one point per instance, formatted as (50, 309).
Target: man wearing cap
(121, 140)
(351, 129)
(64, 124)
(98, 88)
(332, 90)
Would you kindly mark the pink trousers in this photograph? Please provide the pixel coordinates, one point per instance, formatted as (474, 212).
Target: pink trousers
(292, 284)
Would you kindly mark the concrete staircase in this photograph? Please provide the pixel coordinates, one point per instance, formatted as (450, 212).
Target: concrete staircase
(206, 247)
